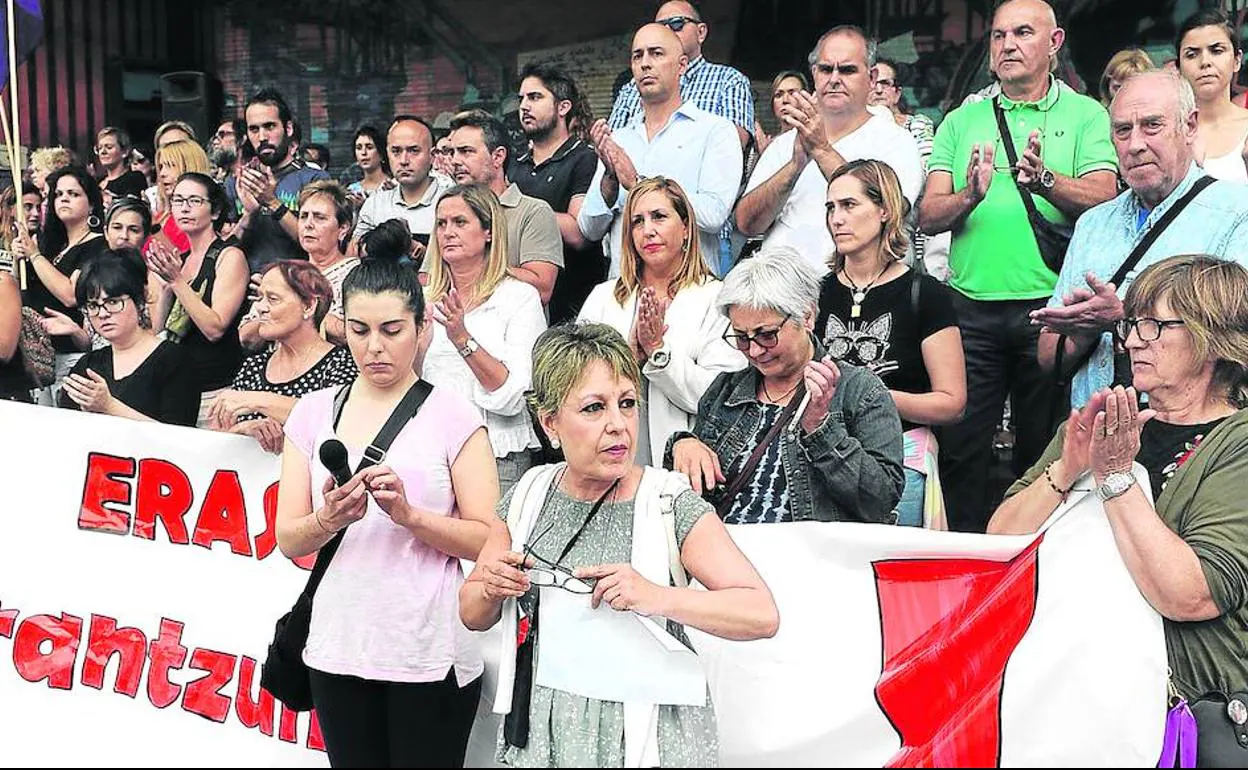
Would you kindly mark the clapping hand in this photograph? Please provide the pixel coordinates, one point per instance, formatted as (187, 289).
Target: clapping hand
(1084, 311)
(979, 170)
(1115, 435)
(1030, 166)
(90, 393)
(450, 311)
(650, 322)
(164, 261)
(801, 112)
(821, 379)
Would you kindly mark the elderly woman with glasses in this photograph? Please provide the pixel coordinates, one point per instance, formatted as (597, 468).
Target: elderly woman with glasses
(1185, 538)
(593, 550)
(796, 436)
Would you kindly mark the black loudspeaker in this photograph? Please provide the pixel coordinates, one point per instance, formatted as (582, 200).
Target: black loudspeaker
(194, 97)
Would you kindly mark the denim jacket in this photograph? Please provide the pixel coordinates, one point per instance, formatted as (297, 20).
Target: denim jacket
(848, 469)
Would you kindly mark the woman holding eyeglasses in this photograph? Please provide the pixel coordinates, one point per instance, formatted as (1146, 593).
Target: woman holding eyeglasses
(136, 375)
(603, 540)
(796, 436)
(1184, 540)
(875, 312)
(201, 296)
(663, 303)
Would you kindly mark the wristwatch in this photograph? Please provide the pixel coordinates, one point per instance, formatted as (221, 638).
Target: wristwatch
(1115, 484)
(659, 359)
(469, 348)
(1045, 181)
(278, 211)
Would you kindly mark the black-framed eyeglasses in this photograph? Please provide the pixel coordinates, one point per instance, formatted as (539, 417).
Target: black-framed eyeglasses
(194, 201)
(766, 338)
(550, 575)
(1148, 329)
(677, 23)
(113, 305)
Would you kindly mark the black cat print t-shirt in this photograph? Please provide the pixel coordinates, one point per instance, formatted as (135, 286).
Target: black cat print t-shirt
(888, 336)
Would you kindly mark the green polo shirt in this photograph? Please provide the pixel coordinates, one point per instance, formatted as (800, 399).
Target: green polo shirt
(994, 254)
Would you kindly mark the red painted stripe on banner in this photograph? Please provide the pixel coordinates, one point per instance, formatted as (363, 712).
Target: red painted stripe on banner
(948, 628)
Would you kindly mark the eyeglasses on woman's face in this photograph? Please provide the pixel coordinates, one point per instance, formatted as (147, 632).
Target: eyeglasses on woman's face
(765, 338)
(113, 305)
(193, 201)
(1148, 329)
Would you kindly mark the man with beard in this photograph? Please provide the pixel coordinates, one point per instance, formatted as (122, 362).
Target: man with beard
(409, 146)
(479, 156)
(223, 149)
(558, 169)
(266, 191)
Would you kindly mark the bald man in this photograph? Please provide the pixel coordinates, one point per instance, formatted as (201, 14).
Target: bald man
(1066, 165)
(716, 88)
(669, 137)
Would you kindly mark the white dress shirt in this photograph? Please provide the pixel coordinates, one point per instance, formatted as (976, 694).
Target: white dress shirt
(506, 326)
(698, 150)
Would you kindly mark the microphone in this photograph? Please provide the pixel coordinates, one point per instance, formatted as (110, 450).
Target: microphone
(334, 458)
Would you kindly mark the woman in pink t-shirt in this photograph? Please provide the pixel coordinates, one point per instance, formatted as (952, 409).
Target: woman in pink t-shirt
(395, 675)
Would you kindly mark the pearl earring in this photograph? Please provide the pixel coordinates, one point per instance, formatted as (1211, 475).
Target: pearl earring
(554, 442)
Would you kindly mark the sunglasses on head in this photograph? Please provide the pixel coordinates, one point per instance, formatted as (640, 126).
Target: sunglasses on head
(677, 23)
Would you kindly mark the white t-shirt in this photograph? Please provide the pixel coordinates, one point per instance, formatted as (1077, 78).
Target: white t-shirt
(801, 223)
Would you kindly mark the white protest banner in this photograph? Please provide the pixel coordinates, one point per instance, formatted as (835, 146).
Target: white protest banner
(139, 585)
(907, 648)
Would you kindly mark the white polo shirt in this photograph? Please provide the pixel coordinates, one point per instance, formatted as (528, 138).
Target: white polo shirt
(802, 222)
(384, 205)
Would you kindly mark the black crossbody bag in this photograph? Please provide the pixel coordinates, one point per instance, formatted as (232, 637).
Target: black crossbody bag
(1065, 374)
(284, 674)
(1051, 238)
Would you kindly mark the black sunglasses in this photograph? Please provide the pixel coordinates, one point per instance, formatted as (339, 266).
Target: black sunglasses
(677, 23)
(766, 338)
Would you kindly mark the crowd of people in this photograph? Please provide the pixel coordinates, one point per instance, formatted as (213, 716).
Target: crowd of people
(822, 325)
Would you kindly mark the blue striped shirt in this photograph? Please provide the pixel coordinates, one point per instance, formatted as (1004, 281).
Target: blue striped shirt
(714, 88)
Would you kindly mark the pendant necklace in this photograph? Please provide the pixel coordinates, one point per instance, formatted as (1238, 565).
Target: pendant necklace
(861, 294)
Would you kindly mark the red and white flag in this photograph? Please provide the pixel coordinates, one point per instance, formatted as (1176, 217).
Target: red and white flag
(908, 648)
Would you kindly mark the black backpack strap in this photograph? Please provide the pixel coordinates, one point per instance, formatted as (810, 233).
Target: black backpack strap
(374, 454)
(915, 289)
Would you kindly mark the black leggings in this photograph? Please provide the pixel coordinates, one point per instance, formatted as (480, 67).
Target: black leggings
(388, 724)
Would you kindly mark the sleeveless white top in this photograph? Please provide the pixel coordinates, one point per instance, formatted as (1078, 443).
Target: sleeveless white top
(1229, 167)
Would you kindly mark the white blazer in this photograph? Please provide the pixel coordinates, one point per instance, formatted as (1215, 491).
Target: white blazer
(695, 342)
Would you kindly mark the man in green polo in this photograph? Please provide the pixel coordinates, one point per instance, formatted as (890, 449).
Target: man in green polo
(1067, 161)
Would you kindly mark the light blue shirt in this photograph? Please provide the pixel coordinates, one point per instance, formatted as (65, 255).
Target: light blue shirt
(698, 150)
(1214, 223)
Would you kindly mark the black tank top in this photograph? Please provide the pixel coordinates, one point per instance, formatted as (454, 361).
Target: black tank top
(214, 363)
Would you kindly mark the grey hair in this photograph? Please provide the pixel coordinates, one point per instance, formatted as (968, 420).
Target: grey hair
(1183, 93)
(777, 278)
(845, 29)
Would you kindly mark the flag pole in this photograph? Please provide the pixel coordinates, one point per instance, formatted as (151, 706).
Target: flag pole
(12, 136)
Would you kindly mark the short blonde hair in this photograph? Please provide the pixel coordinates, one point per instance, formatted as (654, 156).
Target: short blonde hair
(50, 159)
(692, 272)
(337, 195)
(564, 353)
(484, 203)
(1122, 65)
(184, 155)
(1210, 296)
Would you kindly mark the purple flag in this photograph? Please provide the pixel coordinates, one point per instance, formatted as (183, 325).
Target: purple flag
(28, 24)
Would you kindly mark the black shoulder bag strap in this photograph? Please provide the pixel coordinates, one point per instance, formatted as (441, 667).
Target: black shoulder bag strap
(746, 474)
(374, 453)
(1012, 154)
(1125, 269)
